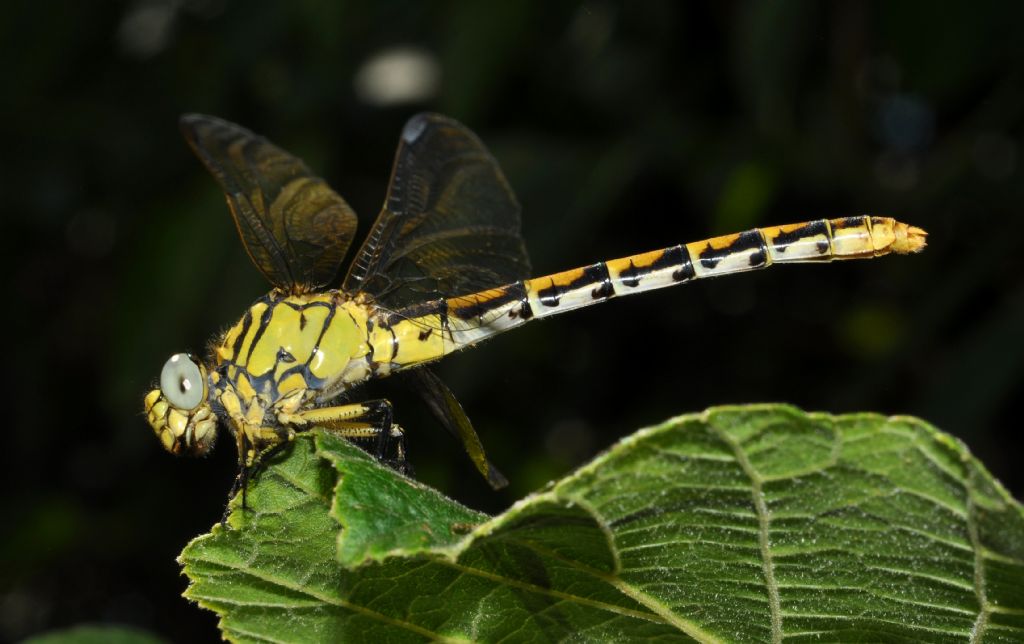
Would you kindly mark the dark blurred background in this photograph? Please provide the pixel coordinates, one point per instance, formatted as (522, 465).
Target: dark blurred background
(622, 127)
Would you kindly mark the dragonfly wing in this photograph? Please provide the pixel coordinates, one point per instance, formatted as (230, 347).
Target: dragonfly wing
(294, 227)
(446, 408)
(450, 223)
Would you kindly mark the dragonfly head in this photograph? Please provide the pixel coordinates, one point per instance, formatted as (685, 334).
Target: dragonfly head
(179, 410)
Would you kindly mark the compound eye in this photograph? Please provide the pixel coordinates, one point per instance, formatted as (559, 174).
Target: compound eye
(181, 382)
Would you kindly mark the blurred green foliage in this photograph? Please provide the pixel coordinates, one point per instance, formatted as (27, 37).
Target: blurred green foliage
(622, 126)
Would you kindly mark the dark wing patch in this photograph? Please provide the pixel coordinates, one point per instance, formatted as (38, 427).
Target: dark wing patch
(450, 223)
(294, 227)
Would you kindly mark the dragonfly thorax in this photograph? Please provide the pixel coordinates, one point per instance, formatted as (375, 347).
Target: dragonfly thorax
(294, 348)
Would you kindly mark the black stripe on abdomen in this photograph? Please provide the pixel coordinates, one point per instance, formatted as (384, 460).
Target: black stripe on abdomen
(745, 241)
(471, 307)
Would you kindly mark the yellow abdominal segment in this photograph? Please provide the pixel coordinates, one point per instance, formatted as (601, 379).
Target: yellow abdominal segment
(407, 342)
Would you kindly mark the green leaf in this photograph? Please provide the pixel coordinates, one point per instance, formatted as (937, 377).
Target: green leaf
(739, 524)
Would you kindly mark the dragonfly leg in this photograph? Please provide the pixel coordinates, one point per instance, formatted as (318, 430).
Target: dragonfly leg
(398, 462)
(264, 457)
(251, 463)
(241, 483)
(231, 496)
(371, 420)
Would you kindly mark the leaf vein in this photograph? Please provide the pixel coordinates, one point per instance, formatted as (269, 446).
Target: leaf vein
(336, 601)
(763, 520)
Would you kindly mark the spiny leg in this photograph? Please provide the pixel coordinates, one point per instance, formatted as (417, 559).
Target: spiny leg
(241, 479)
(399, 463)
(250, 461)
(241, 483)
(231, 495)
(368, 420)
(260, 463)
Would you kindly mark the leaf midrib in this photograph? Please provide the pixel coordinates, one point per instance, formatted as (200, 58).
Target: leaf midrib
(763, 523)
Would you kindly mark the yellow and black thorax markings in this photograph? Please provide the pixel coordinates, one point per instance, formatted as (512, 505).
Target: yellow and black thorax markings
(283, 344)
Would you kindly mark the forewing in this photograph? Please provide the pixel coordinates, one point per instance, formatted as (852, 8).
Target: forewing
(450, 223)
(294, 227)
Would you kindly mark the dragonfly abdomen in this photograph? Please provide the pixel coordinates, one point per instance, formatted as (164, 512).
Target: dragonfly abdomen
(431, 330)
(475, 317)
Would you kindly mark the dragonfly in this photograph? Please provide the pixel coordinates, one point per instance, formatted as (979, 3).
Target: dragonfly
(443, 268)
